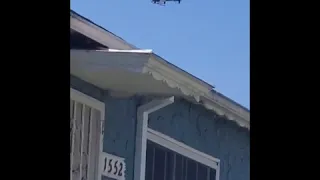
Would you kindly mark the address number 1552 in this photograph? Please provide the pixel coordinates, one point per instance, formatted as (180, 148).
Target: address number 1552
(113, 167)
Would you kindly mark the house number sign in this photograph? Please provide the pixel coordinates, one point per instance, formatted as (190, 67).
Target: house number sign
(113, 166)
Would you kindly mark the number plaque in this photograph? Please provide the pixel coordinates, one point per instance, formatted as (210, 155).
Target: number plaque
(113, 166)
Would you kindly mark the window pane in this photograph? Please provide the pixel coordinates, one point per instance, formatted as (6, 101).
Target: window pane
(191, 169)
(169, 165)
(164, 164)
(149, 161)
(202, 172)
(159, 164)
(179, 167)
(212, 174)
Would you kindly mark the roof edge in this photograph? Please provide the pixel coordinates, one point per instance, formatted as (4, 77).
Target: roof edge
(97, 33)
(166, 64)
(193, 86)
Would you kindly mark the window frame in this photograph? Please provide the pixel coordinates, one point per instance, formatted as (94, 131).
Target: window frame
(99, 105)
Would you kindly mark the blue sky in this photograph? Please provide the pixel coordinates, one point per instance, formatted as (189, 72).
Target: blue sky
(208, 38)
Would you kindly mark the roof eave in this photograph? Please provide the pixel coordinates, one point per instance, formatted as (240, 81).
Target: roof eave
(188, 86)
(201, 91)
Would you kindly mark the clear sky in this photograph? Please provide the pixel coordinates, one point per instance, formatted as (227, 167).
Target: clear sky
(208, 38)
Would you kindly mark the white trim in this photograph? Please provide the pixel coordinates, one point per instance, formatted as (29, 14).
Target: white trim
(141, 136)
(144, 133)
(73, 131)
(82, 134)
(101, 145)
(218, 172)
(179, 74)
(146, 51)
(181, 148)
(184, 150)
(84, 99)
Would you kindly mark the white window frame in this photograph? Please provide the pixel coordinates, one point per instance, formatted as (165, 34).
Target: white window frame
(184, 150)
(96, 104)
(145, 133)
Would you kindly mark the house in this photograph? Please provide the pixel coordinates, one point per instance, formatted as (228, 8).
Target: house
(136, 116)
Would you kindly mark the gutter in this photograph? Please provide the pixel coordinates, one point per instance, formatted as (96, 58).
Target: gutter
(141, 136)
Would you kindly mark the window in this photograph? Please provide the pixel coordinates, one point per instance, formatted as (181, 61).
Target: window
(168, 159)
(158, 156)
(86, 117)
(164, 164)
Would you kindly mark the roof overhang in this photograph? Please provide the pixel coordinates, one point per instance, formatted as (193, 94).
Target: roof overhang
(143, 72)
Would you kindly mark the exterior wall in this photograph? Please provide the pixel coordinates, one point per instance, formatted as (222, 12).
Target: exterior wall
(183, 121)
(207, 132)
(119, 137)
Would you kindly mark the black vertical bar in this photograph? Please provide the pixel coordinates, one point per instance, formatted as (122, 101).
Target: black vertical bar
(165, 166)
(89, 131)
(186, 173)
(182, 167)
(212, 174)
(153, 161)
(149, 161)
(202, 172)
(174, 167)
(196, 170)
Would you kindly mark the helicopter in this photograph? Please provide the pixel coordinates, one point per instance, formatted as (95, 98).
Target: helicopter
(163, 2)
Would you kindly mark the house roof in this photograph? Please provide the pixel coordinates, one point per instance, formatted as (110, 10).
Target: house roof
(142, 67)
(85, 26)
(80, 41)
(96, 32)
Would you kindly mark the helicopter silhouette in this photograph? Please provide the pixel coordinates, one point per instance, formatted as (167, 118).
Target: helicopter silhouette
(163, 2)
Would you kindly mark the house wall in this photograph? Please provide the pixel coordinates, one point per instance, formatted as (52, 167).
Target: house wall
(183, 121)
(119, 137)
(209, 133)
